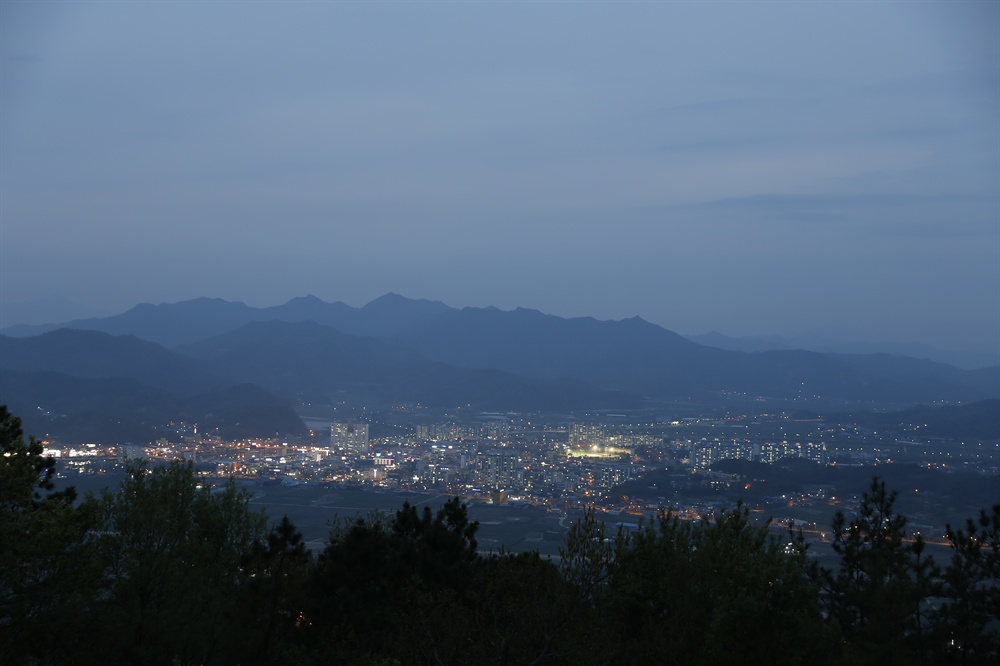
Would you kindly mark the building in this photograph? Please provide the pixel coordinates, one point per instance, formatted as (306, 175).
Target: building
(502, 469)
(586, 434)
(350, 436)
(609, 476)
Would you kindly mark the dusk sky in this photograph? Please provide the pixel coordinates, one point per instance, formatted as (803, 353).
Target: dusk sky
(744, 167)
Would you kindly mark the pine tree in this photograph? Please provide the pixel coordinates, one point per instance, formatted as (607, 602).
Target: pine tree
(46, 581)
(878, 595)
(968, 624)
(715, 591)
(172, 551)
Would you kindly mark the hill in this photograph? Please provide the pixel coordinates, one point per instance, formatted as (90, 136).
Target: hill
(292, 358)
(631, 355)
(93, 386)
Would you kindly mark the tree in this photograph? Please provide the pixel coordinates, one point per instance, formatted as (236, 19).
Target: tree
(441, 545)
(714, 591)
(25, 470)
(46, 577)
(878, 595)
(522, 611)
(272, 598)
(389, 589)
(589, 556)
(968, 623)
(172, 552)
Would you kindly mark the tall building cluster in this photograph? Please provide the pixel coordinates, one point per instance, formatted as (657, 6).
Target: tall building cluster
(706, 453)
(456, 432)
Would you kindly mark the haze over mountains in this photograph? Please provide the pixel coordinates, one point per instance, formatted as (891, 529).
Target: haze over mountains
(838, 342)
(32, 317)
(184, 356)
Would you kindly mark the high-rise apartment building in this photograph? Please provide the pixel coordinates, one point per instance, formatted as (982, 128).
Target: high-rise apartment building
(351, 436)
(502, 469)
(586, 434)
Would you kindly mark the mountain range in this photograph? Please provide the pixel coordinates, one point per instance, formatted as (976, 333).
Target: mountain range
(400, 350)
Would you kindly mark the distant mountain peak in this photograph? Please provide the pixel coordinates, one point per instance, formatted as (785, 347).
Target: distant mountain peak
(202, 302)
(308, 301)
(392, 300)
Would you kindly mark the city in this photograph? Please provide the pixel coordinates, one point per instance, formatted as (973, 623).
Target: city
(617, 464)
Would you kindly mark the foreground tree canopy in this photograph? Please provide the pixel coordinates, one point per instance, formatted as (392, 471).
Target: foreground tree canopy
(165, 571)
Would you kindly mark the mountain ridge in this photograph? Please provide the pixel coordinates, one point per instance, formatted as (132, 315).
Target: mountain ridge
(74, 382)
(630, 356)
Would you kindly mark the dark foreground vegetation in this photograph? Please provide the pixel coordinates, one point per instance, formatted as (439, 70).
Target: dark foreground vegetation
(165, 571)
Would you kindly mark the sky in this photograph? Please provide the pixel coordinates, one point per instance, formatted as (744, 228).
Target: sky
(743, 167)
